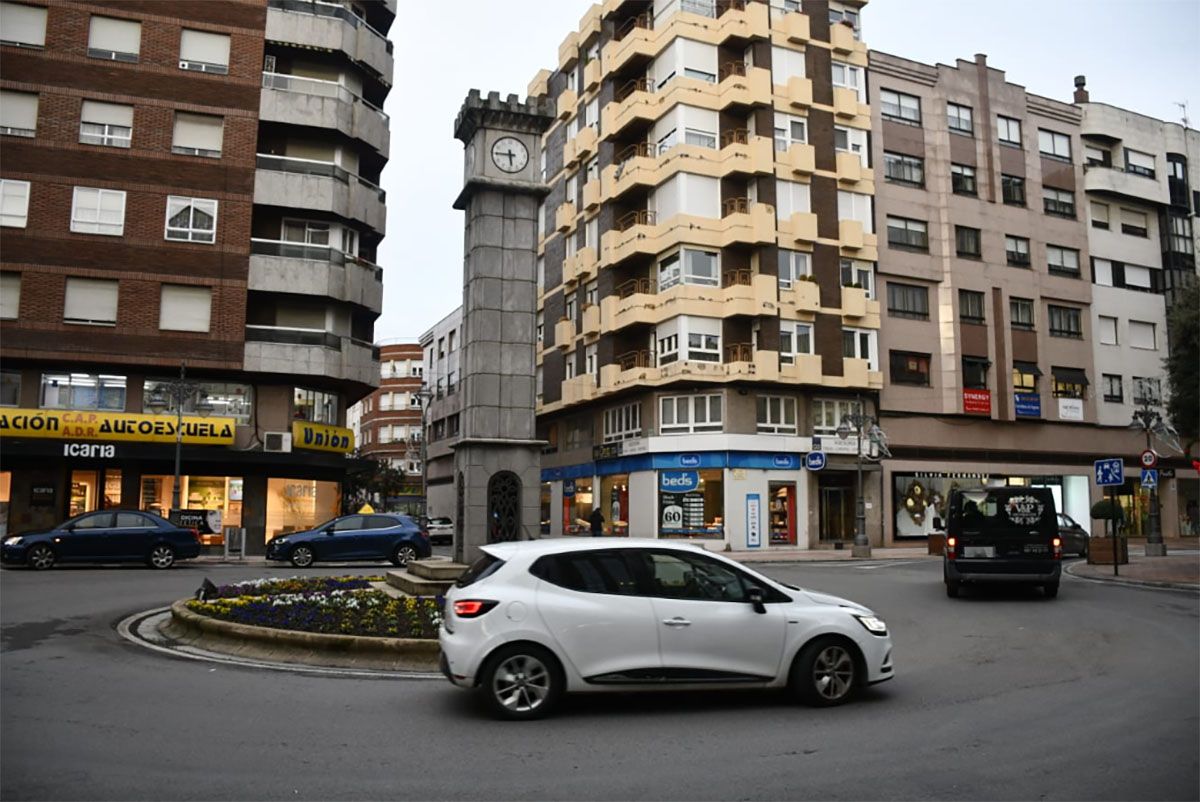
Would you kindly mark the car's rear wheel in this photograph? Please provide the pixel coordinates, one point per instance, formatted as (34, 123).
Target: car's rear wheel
(403, 554)
(826, 673)
(40, 557)
(952, 589)
(161, 556)
(521, 682)
(1050, 589)
(302, 556)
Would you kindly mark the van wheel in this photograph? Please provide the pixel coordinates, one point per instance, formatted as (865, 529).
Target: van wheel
(1051, 590)
(952, 589)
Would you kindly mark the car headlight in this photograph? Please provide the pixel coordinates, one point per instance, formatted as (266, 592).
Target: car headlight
(279, 541)
(873, 624)
(15, 540)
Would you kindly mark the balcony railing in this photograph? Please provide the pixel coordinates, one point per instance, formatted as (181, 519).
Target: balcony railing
(724, 6)
(635, 286)
(636, 359)
(645, 149)
(636, 85)
(318, 87)
(735, 206)
(315, 253)
(739, 352)
(642, 217)
(737, 278)
(317, 8)
(731, 68)
(289, 164)
(705, 8)
(286, 335)
(737, 136)
(645, 21)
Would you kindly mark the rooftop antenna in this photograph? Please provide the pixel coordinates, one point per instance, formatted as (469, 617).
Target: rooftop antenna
(1183, 107)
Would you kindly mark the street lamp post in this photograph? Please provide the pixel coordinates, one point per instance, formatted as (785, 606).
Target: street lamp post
(178, 393)
(1149, 419)
(856, 422)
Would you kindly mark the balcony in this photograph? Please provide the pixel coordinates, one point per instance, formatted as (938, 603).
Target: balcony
(591, 75)
(564, 334)
(846, 106)
(854, 302)
(322, 104)
(320, 186)
(803, 296)
(638, 233)
(580, 266)
(856, 242)
(634, 303)
(843, 42)
(640, 166)
(591, 321)
(798, 160)
(581, 147)
(634, 39)
(850, 170)
(579, 389)
(589, 23)
(564, 217)
(630, 368)
(317, 270)
(804, 369)
(637, 41)
(331, 27)
(566, 103)
(309, 352)
(795, 28)
(591, 195)
(799, 93)
(800, 228)
(743, 362)
(568, 51)
(635, 102)
(858, 373)
(1115, 181)
(540, 85)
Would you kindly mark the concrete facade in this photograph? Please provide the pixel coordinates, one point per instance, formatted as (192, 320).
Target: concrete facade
(442, 347)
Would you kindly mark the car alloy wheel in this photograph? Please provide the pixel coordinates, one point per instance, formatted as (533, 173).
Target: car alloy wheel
(825, 673)
(40, 557)
(523, 682)
(833, 673)
(162, 556)
(403, 554)
(302, 556)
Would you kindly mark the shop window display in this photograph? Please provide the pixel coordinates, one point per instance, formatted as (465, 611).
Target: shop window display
(294, 505)
(691, 504)
(577, 507)
(614, 503)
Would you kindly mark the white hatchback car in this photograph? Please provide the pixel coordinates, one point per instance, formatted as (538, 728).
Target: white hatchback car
(534, 619)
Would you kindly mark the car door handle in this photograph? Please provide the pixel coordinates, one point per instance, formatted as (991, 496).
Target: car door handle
(677, 622)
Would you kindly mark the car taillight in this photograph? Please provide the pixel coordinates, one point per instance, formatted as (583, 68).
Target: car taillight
(473, 608)
(951, 545)
(195, 534)
(425, 534)
(1057, 548)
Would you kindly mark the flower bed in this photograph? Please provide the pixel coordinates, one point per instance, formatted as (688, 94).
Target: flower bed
(327, 605)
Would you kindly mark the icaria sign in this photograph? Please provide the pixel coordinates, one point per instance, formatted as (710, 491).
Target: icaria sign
(123, 426)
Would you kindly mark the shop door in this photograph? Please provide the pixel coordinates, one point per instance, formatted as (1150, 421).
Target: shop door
(782, 510)
(837, 509)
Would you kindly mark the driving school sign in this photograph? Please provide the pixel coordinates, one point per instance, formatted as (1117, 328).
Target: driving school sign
(122, 426)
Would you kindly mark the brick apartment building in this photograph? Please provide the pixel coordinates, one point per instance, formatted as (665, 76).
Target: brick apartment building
(192, 183)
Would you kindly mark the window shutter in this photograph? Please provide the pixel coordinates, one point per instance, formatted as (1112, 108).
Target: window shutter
(117, 35)
(200, 131)
(14, 203)
(18, 110)
(106, 113)
(10, 295)
(1141, 335)
(23, 24)
(91, 301)
(185, 308)
(1132, 218)
(1137, 276)
(210, 48)
(1143, 160)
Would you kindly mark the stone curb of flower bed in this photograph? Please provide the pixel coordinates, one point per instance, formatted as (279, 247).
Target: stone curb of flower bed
(299, 648)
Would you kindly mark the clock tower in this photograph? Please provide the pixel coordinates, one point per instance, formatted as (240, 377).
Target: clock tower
(497, 460)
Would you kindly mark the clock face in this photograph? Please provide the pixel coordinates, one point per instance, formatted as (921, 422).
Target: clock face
(510, 154)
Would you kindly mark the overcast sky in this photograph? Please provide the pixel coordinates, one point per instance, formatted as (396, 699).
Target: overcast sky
(1140, 54)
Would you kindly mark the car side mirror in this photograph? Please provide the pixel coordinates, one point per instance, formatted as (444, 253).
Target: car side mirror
(329, 531)
(937, 523)
(756, 596)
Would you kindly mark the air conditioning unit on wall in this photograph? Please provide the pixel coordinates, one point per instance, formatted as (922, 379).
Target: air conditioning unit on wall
(278, 442)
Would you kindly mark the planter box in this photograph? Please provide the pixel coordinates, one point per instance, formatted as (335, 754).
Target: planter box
(1100, 551)
(937, 544)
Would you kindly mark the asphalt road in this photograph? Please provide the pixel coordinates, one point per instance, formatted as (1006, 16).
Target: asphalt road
(1095, 695)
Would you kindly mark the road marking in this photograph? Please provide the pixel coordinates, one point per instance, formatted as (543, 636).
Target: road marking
(888, 564)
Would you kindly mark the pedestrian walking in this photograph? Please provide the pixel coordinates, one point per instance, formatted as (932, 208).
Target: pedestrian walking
(597, 521)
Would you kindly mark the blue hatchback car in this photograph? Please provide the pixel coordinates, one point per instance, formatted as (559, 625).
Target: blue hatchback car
(354, 537)
(104, 537)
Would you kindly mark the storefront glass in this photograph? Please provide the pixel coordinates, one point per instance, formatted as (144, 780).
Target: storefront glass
(836, 492)
(546, 511)
(918, 498)
(783, 513)
(112, 489)
(5, 494)
(614, 503)
(691, 504)
(83, 493)
(577, 507)
(220, 495)
(294, 505)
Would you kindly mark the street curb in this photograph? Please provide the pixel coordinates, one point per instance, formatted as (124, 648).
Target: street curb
(1138, 583)
(303, 648)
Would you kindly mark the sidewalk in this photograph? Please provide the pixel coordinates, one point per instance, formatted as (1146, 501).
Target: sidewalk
(1179, 569)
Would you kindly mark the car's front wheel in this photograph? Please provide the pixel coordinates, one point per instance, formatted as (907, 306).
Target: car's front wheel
(403, 554)
(825, 673)
(521, 682)
(161, 556)
(302, 556)
(40, 557)
(1050, 589)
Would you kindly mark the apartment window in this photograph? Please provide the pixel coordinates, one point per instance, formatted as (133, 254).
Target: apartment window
(203, 51)
(1108, 330)
(572, 187)
(98, 211)
(1113, 388)
(905, 233)
(590, 364)
(1147, 391)
(198, 135)
(974, 372)
(541, 275)
(789, 130)
(308, 232)
(1025, 376)
(591, 293)
(850, 77)
(851, 140)
(571, 310)
(962, 179)
(451, 346)
(1179, 233)
(107, 124)
(970, 306)
(1058, 202)
(700, 336)
(908, 300)
(14, 203)
(10, 296)
(191, 219)
(1008, 130)
(685, 414)
(591, 114)
(704, 346)
(794, 338)
(1139, 163)
(689, 267)
(776, 414)
(225, 399)
(538, 383)
(18, 113)
(1054, 145)
(1099, 215)
(792, 266)
(540, 334)
(22, 25)
(1020, 312)
(91, 301)
(1012, 189)
(958, 118)
(1094, 156)
(858, 274)
(10, 388)
(623, 423)
(1062, 261)
(966, 242)
(829, 413)
(185, 308)
(114, 39)
(861, 344)
(83, 391)
(1143, 335)
(900, 107)
(841, 14)
(901, 169)
(1065, 321)
(1069, 382)
(1016, 250)
(1134, 223)
(791, 197)
(315, 406)
(907, 367)
(856, 206)
(786, 64)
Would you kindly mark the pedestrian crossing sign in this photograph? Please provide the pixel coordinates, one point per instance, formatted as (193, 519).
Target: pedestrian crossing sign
(1149, 478)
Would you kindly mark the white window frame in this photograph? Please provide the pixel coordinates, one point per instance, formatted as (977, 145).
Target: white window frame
(857, 206)
(857, 271)
(856, 142)
(851, 78)
(678, 268)
(81, 225)
(793, 265)
(955, 111)
(1135, 340)
(863, 339)
(1107, 333)
(591, 363)
(190, 233)
(569, 365)
(885, 95)
(785, 130)
(1059, 144)
(1004, 130)
(791, 197)
(772, 413)
(14, 203)
(791, 332)
(690, 414)
(623, 422)
(822, 408)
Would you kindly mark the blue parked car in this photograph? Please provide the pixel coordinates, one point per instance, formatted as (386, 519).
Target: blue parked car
(354, 537)
(103, 537)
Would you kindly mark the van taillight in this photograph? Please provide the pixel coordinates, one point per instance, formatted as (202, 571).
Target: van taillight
(951, 546)
(1057, 548)
(473, 608)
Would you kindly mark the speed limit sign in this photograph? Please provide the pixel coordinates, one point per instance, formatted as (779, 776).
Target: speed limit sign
(1149, 459)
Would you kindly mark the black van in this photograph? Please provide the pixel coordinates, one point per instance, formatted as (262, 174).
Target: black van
(1002, 534)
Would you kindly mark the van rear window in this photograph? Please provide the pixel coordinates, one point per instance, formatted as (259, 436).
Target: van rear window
(484, 566)
(983, 508)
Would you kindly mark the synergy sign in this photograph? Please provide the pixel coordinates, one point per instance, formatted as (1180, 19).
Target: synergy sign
(123, 426)
(322, 437)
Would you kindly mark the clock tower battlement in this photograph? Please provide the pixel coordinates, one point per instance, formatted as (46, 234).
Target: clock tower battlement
(501, 139)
